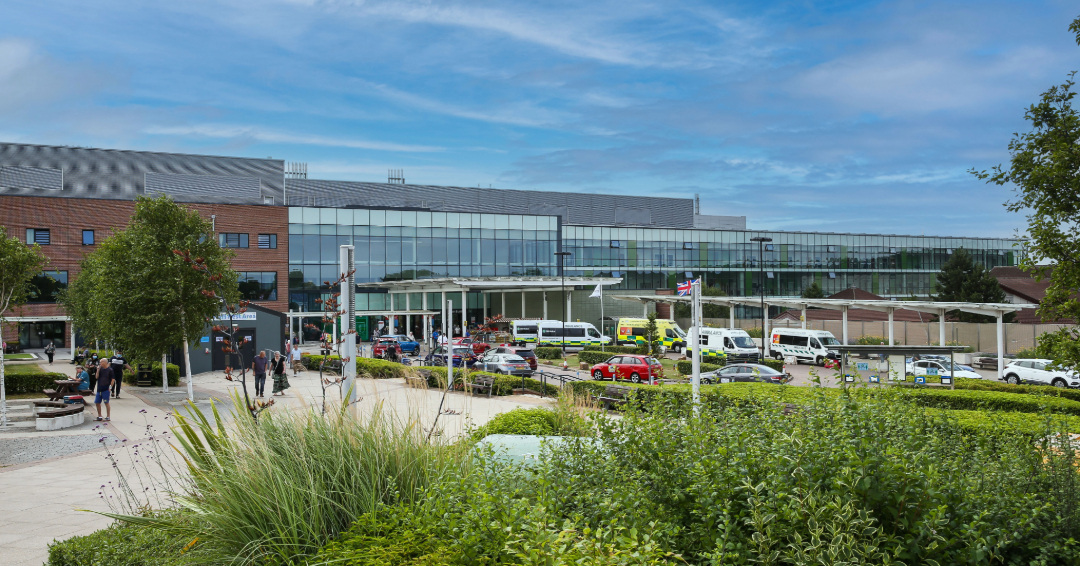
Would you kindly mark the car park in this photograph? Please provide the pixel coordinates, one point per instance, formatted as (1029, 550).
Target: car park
(745, 373)
(804, 345)
(1038, 372)
(387, 349)
(946, 358)
(939, 367)
(509, 364)
(525, 353)
(438, 357)
(569, 335)
(408, 346)
(631, 332)
(735, 343)
(628, 368)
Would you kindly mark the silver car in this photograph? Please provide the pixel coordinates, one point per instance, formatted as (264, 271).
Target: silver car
(509, 364)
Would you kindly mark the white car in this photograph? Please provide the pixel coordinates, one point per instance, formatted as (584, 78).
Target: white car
(923, 367)
(1038, 372)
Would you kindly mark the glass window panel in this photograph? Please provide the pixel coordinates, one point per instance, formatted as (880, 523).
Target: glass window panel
(296, 215)
(311, 249)
(423, 219)
(438, 219)
(345, 217)
(311, 216)
(393, 217)
(377, 217)
(362, 253)
(377, 245)
(452, 220)
(296, 248)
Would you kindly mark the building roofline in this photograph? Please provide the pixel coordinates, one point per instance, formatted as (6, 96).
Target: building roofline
(78, 147)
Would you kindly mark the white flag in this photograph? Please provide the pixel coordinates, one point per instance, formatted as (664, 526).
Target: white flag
(597, 292)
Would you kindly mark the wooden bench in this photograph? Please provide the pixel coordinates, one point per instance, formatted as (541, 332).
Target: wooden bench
(482, 382)
(53, 404)
(58, 412)
(615, 395)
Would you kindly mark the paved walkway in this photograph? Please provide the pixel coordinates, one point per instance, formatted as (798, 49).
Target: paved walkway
(43, 489)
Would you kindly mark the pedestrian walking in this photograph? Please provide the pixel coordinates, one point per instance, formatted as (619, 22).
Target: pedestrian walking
(297, 364)
(104, 384)
(258, 367)
(281, 380)
(118, 365)
(50, 350)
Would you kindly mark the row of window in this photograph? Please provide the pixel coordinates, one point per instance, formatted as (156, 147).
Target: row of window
(254, 286)
(43, 237)
(240, 240)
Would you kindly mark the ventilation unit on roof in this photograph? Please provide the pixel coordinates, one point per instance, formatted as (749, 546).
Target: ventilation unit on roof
(296, 170)
(395, 176)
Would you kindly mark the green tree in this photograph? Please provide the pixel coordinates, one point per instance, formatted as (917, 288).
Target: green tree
(19, 263)
(963, 280)
(813, 292)
(652, 336)
(138, 294)
(1044, 172)
(682, 310)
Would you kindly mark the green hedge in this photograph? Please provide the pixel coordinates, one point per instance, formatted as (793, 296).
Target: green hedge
(1004, 422)
(31, 382)
(548, 353)
(993, 401)
(173, 370)
(311, 362)
(686, 367)
(993, 385)
(380, 369)
(592, 357)
(614, 349)
(504, 384)
(122, 544)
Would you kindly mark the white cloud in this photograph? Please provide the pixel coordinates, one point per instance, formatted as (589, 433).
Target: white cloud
(259, 134)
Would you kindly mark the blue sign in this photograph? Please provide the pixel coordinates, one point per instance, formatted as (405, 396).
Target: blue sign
(862, 366)
(204, 339)
(920, 379)
(931, 371)
(875, 379)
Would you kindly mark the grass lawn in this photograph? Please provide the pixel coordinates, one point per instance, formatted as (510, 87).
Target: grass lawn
(22, 368)
(19, 356)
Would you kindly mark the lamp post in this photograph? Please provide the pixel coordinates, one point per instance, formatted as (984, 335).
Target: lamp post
(562, 273)
(761, 270)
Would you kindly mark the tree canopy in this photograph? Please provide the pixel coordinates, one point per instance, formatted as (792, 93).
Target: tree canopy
(1044, 172)
(682, 310)
(137, 294)
(963, 280)
(813, 292)
(19, 263)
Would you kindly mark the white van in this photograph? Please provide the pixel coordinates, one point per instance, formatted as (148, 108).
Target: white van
(803, 345)
(574, 335)
(524, 331)
(733, 342)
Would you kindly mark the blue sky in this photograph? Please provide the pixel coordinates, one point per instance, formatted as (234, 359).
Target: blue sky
(823, 116)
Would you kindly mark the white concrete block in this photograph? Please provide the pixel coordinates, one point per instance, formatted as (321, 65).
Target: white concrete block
(46, 424)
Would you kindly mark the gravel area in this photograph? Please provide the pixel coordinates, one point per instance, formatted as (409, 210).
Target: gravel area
(22, 450)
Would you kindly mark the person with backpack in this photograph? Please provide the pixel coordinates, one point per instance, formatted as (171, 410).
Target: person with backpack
(50, 350)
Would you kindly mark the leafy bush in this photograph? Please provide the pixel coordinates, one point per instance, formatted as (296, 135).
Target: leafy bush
(388, 537)
(381, 369)
(124, 544)
(777, 365)
(31, 382)
(871, 340)
(505, 385)
(753, 332)
(686, 367)
(614, 349)
(992, 400)
(989, 385)
(172, 370)
(539, 421)
(967, 349)
(593, 357)
(548, 353)
(312, 362)
(1028, 353)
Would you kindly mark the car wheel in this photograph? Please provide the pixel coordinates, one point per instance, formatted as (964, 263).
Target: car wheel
(636, 378)
(820, 361)
(1059, 383)
(1013, 379)
(676, 348)
(778, 356)
(598, 375)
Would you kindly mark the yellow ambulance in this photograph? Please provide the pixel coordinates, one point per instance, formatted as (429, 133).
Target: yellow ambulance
(631, 332)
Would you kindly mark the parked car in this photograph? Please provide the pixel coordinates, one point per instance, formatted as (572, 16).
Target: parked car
(438, 357)
(509, 364)
(627, 367)
(945, 358)
(526, 353)
(411, 347)
(477, 346)
(387, 349)
(940, 367)
(1038, 372)
(745, 373)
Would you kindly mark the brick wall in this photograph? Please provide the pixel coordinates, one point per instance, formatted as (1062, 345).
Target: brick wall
(66, 218)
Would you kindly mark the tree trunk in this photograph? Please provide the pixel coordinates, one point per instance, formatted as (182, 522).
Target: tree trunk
(164, 376)
(3, 390)
(187, 364)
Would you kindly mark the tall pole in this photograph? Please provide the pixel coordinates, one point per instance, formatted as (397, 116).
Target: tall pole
(761, 275)
(562, 274)
(695, 354)
(348, 321)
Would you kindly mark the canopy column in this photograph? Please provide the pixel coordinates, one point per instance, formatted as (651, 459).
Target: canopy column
(427, 320)
(502, 304)
(522, 304)
(941, 327)
(891, 326)
(1001, 344)
(464, 320)
(484, 298)
(731, 315)
(803, 317)
(545, 305)
(408, 317)
(766, 336)
(844, 319)
(446, 324)
(569, 317)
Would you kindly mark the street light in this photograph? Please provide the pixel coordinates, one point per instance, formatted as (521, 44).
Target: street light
(761, 270)
(562, 273)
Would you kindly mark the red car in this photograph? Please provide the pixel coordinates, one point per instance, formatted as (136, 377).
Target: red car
(477, 347)
(626, 367)
(387, 349)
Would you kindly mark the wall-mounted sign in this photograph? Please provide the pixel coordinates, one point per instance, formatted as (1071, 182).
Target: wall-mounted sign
(862, 366)
(204, 339)
(249, 315)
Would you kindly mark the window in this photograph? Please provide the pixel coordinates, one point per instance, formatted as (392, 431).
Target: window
(616, 244)
(233, 240)
(258, 285)
(526, 329)
(575, 333)
(87, 237)
(549, 332)
(45, 286)
(688, 245)
(267, 241)
(39, 236)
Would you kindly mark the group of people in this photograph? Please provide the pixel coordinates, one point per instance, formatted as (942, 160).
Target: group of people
(278, 369)
(103, 379)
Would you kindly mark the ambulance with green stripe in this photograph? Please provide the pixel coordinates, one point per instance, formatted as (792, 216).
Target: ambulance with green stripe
(734, 343)
(574, 335)
(632, 333)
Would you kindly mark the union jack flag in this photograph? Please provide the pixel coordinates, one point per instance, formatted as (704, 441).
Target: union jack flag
(685, 288)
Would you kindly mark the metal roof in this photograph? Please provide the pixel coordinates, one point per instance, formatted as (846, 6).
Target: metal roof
(898, 349)
(488, 284)
(933, 307)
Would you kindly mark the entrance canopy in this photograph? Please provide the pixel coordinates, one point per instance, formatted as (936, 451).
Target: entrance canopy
(488, 284)
(997, 310)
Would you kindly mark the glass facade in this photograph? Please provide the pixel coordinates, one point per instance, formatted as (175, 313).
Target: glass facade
(413, 244)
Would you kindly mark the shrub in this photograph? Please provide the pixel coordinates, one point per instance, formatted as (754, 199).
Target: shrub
(311, 362)
(592, 357)
(614, 349)
(381, 369)
(32, 382)
(123, 544)
(686, 367)
(505, 385)
(777, 365)
(539, 421)
(992, 400)
(989, 385)
(753, 332)
(548, 353)
(172, 370)
(871, 340)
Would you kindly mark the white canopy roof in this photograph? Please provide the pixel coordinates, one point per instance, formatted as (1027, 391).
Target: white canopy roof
(488, 284)
(932, 307)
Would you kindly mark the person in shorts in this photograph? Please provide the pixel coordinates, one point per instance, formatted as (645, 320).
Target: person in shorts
(104, 383)
(297, 365)
(258, 367)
